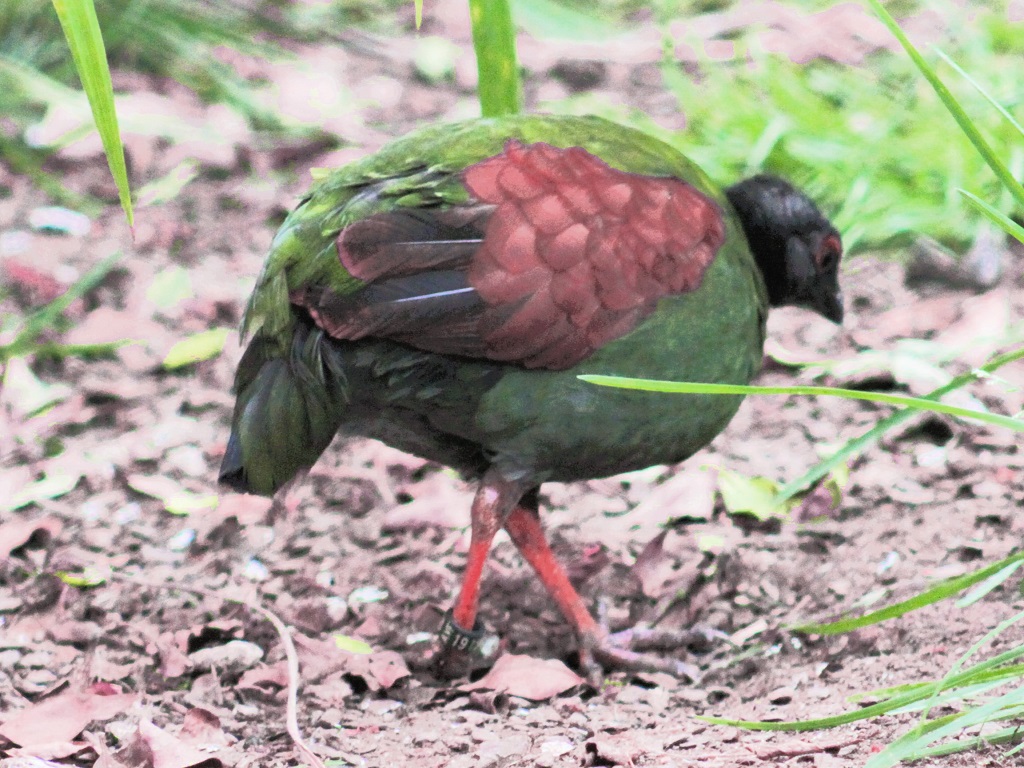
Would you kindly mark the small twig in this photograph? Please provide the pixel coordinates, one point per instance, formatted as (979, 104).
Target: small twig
(292, 708)
(799, 747)
(292, 657)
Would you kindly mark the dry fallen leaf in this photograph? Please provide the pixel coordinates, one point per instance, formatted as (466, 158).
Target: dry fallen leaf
(62, 717)
(527, 677)
(16, 533)
(380, 670)
(318, 659)
(42, 755)
(202, 729)
(265, 679)
(153, 747)
(653, 566)
(231, 658)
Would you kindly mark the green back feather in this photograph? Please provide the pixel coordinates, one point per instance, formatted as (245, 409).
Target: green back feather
(421, 169)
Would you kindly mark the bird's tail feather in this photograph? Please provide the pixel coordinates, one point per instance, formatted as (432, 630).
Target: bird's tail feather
(288, 409)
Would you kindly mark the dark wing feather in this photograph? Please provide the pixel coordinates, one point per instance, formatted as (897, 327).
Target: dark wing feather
(412, 240)
(555, 255)
(394, 307)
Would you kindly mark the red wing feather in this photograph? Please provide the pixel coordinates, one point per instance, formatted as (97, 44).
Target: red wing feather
(612, 244)
(556, 255)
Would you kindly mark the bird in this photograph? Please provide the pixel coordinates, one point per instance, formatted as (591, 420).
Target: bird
(444, 295)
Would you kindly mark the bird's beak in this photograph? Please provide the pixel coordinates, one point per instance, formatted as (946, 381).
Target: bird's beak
(830, 305)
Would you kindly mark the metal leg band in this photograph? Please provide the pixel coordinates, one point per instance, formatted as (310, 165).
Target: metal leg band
(455, 638)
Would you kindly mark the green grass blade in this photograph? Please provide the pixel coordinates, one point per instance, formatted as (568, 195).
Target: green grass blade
(954, 671)
(558, 20)
(942, 591)
(951, 104)
(898, 702)
(905, 747)
(859, 444)
(993, 581)
(845, 718)
(87, 351)
(997, 217)
(988, 96)
(47, 316)
(494, 39)
(82, 30)
(1010, 735)
(919, 403)
(27, 161)
(972, 692)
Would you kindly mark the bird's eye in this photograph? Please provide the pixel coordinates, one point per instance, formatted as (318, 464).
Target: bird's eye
(829, 253)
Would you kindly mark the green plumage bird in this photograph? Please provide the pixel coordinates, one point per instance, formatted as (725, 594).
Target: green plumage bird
(444, 295)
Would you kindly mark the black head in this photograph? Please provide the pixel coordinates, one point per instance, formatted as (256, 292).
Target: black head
(797, 249)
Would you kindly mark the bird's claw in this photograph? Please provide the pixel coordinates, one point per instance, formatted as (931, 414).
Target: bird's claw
(697, 638)
(627, 651)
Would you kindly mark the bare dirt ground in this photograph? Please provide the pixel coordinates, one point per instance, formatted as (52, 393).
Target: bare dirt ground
(133, 672)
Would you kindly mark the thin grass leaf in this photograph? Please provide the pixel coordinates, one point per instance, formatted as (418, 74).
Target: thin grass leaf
(941, 591)
(896, 703)
(766, 143)
(961, 693)
(1005, 736)
(884, 693)
(494, 40)
(981, 89)
(550, 19)
(1017, 748)
(912, 750)
(169, 186)
(919, 403)
(858, 445)
(909, 745)
(103, 349)
(851, 716)
(33, 84)
(958, 665)
(951, 104)
(419, 13)
(45, 318)
(999, 218)
(25, 161)
(993, 581)
(82, 30)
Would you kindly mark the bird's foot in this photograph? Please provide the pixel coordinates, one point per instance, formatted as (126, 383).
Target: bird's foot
(629, 651)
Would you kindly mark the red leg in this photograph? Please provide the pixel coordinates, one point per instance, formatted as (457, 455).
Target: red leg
(491, 505)
(597, 647)
(523, 525)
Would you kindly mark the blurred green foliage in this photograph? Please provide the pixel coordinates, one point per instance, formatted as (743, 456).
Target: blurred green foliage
(161, 37)
(874, 145)
(871, 142)
(191, 43)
